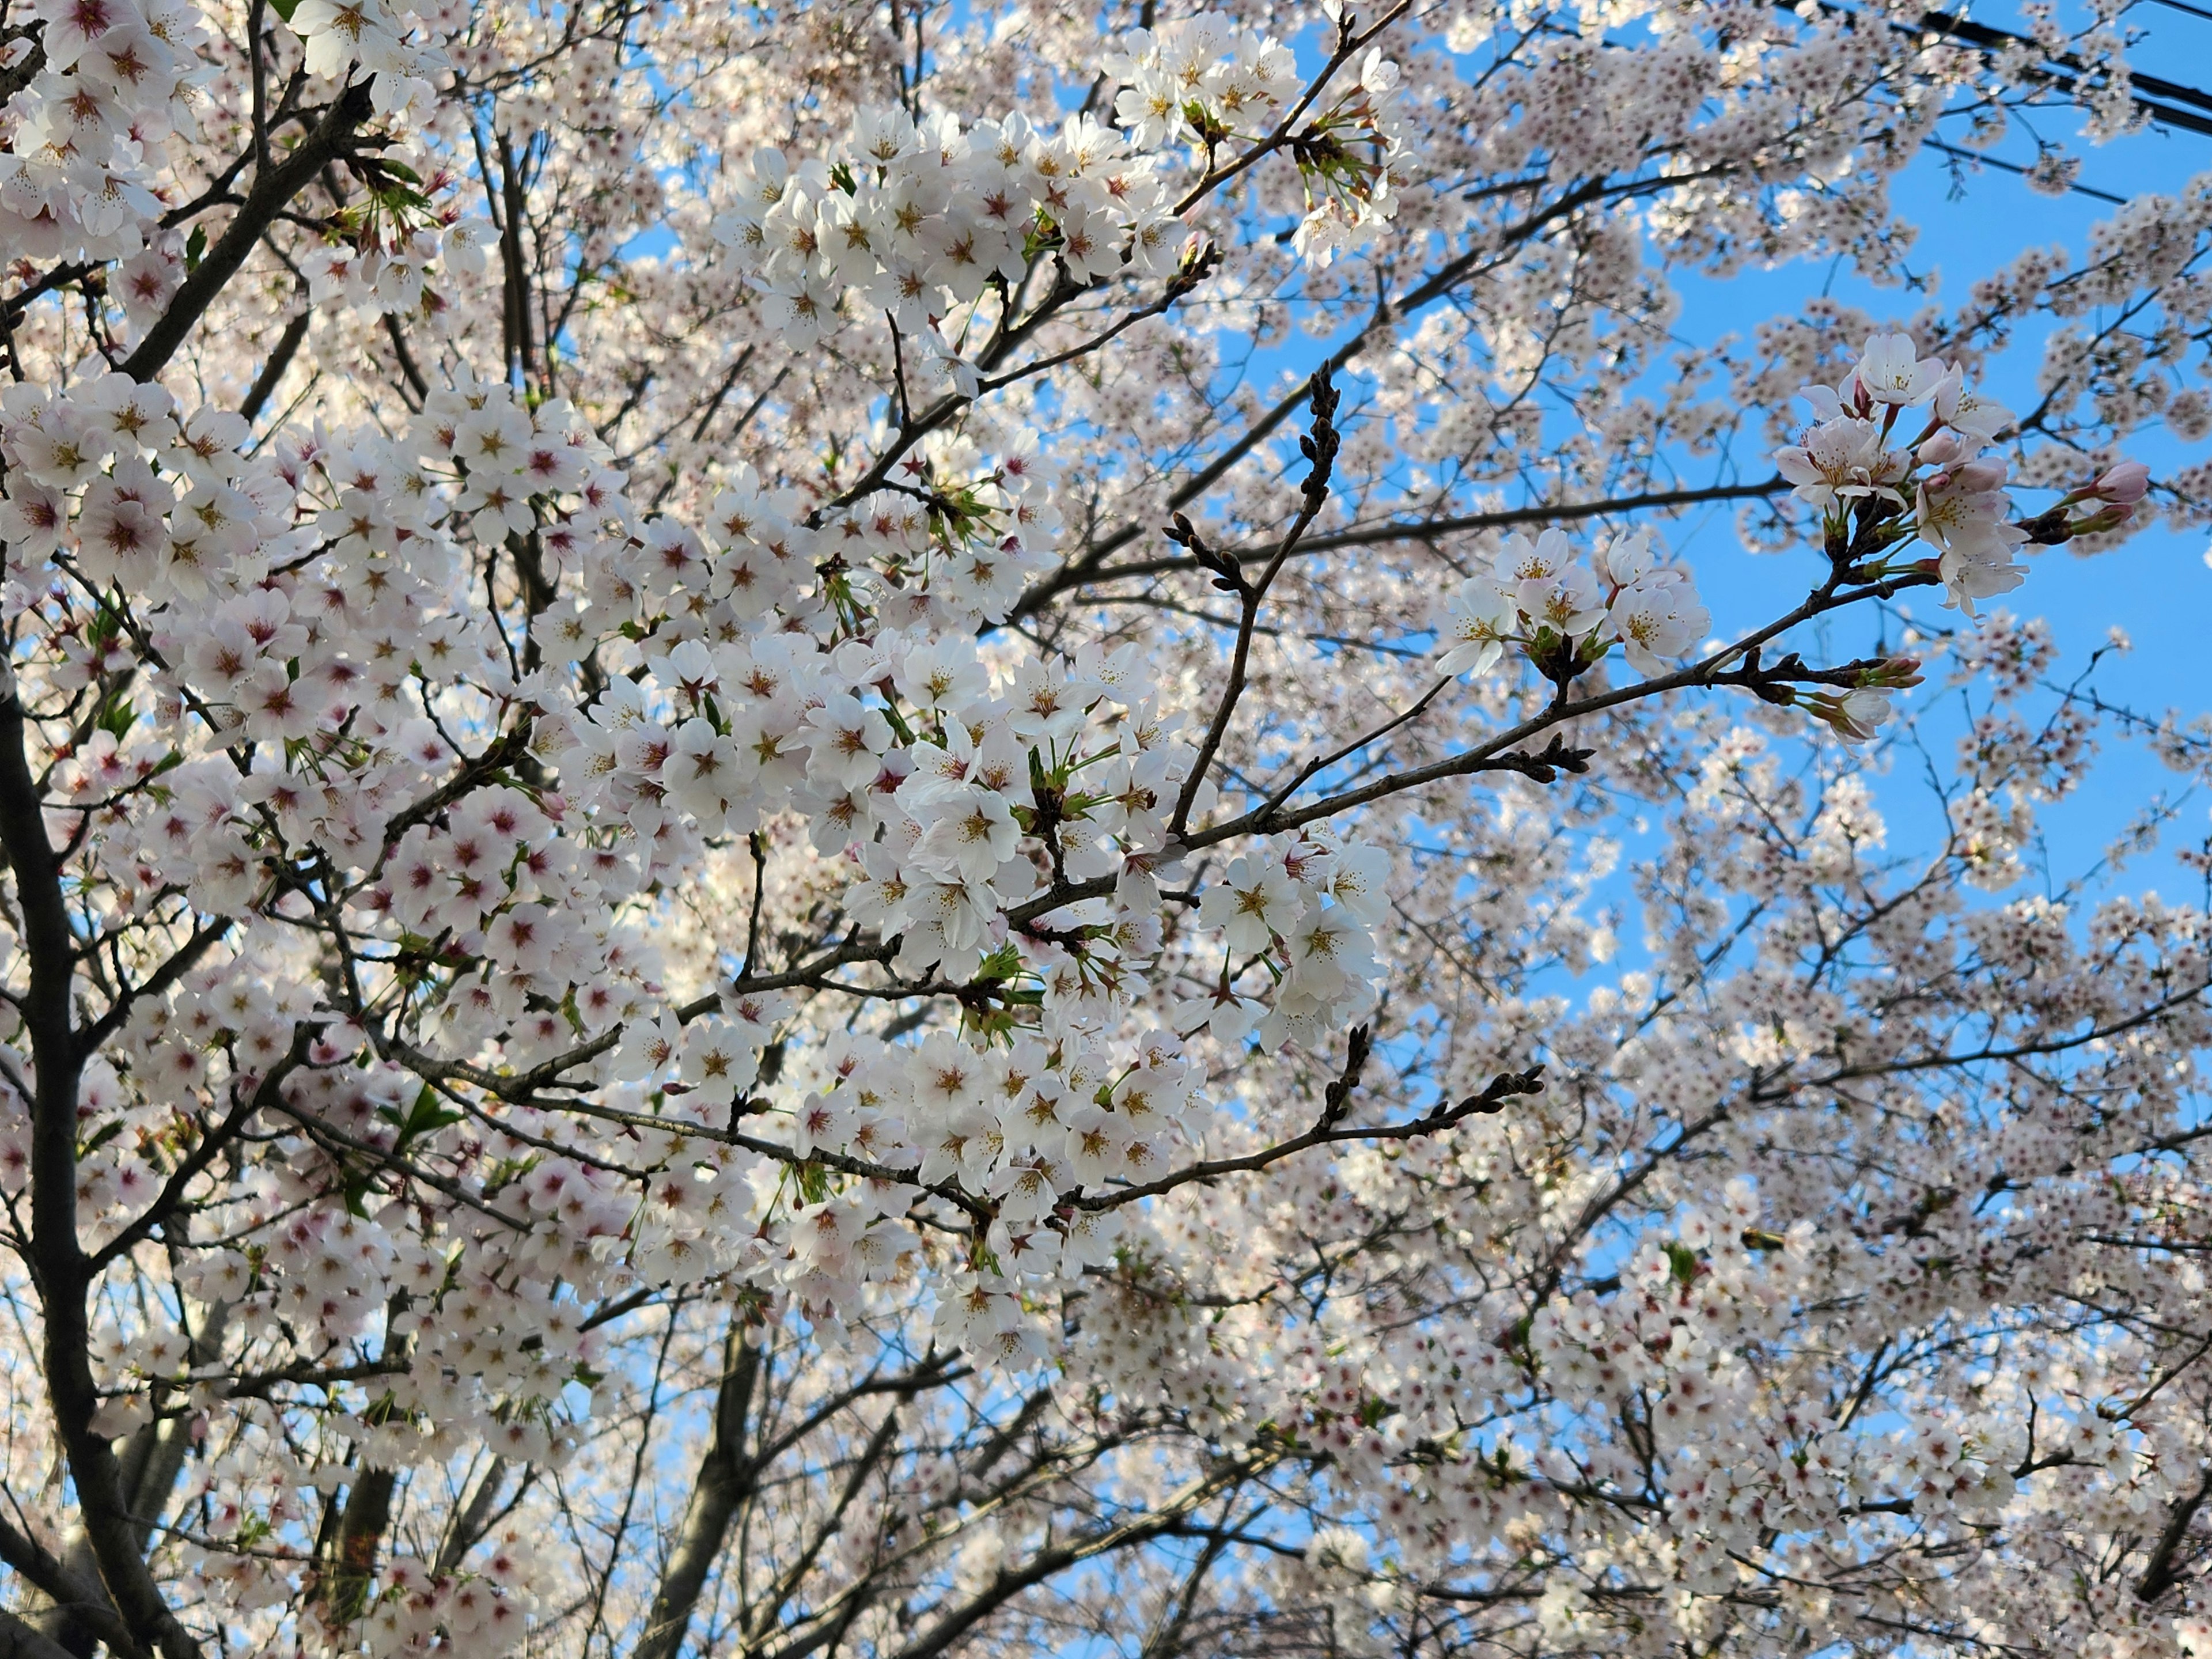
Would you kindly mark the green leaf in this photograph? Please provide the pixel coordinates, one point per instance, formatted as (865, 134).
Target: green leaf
(508, 1169)
(1683, 1261)
(284, 9)
(426, 1116)
(195, 244)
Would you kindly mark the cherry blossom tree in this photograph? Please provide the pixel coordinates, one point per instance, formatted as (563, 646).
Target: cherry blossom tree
(811, 833)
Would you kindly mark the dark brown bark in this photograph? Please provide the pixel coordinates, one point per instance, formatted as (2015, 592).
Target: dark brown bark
(726, 1476)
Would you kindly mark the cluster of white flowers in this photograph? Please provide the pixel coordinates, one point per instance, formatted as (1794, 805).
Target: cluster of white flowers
(110, 80)
(385, 267)
(1843, 466)
(394, 41)
(1541, 598)
(1564, 615)
(299, 609)
(956, 808)
(1690, 1308)
(919, 222)
(419, 1610)
(937, 226)
(157, 501)
(107, 85)
(1302, 914)
(1203, 82)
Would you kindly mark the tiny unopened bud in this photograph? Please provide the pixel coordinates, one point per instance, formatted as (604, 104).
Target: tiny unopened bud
(2123, 485)
(1941, 450)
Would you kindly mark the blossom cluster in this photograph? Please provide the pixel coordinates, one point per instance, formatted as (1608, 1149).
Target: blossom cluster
(385, 267)
(1873, 497)
(920, 221)
(937, 226)
(299, 617)
(105, 83)
(1539, 597)
(1564, 615)
(395, 42)
(108, 478)
(1203, 82)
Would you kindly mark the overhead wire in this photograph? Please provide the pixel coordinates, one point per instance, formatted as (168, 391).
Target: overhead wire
(2070, 73)
(2167, 103)
(1979, 160)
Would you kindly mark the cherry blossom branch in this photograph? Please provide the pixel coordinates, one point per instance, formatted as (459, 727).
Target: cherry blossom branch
(1321, 449)
(332, 138)
(911, 431)
(214, 1141)
(2161, 1573)
(1072, 576)
(723, 1479)
(1381, 326)
(1710, 671)
(63, 1274)
(1050, 1563)
(1320, 763)
(1348, 46)
(1507, 1085)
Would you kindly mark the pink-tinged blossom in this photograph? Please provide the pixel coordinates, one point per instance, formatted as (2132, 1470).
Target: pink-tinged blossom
(1964, 512)
(2124, 484)
(1842, 459)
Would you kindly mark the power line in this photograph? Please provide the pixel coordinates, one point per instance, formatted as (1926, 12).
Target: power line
(2069, 77)
(1979, 160)
(2170, 103)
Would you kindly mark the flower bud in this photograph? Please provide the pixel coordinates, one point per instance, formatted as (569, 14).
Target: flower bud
(2124, 484)
(1941, 450)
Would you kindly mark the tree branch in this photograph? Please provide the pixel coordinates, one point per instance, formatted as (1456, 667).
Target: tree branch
(272, 192)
